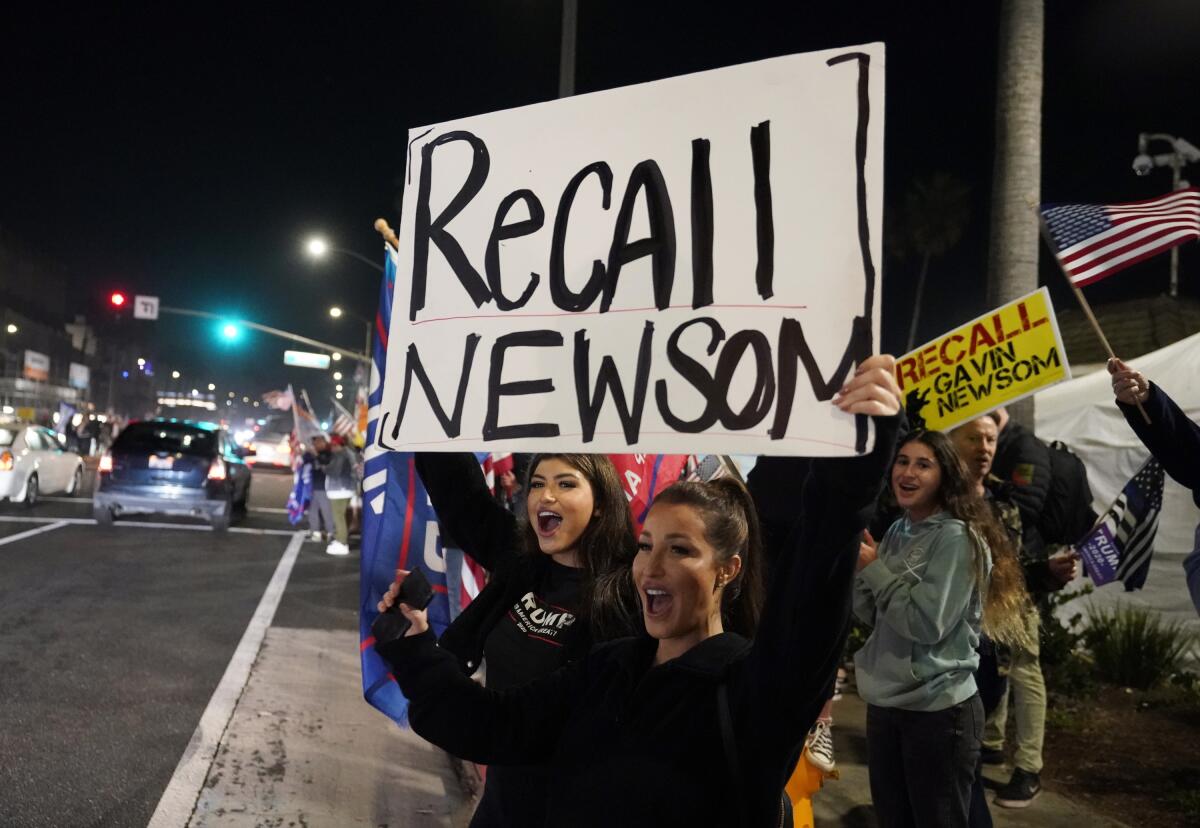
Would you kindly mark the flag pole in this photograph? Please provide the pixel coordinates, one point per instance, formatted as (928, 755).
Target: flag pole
(1083, 302)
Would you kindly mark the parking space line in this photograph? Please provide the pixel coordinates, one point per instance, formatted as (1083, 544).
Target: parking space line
(50, 527)
(64, 499)
(178, 801)
(267, 510)
(139, 524)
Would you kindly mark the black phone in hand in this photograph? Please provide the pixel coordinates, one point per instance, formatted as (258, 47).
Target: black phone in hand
(414, 591)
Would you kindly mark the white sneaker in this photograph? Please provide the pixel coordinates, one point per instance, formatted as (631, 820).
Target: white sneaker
(337, 548)
(315, 536)
(819, 746)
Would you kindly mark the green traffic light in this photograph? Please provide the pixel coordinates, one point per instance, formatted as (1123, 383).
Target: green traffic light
(230, 331)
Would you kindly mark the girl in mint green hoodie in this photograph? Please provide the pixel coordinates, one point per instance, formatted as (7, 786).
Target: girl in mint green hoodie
(923, 590)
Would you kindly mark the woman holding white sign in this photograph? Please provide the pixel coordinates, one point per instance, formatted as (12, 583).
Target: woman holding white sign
(689, 724)
(559, 582)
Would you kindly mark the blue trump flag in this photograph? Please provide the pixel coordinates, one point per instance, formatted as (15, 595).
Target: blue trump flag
(399, 527)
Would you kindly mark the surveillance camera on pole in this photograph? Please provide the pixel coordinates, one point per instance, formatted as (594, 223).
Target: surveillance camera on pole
(1183, 152)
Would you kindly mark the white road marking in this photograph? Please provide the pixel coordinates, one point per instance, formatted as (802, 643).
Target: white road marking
(50, 527)
(266, 509)
(64, 499)
(178, 801)
(138, 524)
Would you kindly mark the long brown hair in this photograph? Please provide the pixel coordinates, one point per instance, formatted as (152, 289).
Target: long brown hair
(606, 547)
(1005, 599)
(731, 527)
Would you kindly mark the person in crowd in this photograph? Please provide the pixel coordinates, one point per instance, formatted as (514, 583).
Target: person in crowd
(975, 442)
(559, 582)
(335, 461)
(1023, 461)
(1171, 436)
(927, 590)
(320, 510)
(688, 724)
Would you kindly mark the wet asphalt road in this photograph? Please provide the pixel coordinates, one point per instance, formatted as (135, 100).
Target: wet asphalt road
(113, 640)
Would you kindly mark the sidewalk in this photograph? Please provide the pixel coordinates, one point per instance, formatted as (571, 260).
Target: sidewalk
(847, 801)
(304, 749)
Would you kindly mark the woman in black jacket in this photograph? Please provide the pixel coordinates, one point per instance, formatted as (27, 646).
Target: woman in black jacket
(559, 581)
(689, 725)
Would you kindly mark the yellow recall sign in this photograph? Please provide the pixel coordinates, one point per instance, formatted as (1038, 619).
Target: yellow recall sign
(1010, 353)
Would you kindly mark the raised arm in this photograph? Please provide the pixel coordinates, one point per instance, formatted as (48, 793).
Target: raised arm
(480, 526)
(1170, 435)
(791, 668)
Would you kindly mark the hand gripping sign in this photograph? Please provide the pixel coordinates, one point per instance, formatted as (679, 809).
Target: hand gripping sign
(685, 266)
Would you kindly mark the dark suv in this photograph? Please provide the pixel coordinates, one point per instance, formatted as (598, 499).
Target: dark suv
(174, 467)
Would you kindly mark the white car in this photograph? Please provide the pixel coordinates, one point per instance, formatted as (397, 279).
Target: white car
(34, 460)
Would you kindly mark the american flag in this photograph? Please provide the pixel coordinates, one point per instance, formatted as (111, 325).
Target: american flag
(1120, 546)
(343, 422)
(1093, 241)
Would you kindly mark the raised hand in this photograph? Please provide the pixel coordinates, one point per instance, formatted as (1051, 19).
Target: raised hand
(1129, 386)
(872, 389)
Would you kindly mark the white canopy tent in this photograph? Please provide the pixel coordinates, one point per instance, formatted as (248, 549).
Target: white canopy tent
(1082, 414)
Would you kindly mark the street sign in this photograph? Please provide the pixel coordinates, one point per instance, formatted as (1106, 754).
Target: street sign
(145, 307)
(306, 359)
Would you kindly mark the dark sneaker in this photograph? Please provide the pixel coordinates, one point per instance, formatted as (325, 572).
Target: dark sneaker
(991, 756)
(1022, 789)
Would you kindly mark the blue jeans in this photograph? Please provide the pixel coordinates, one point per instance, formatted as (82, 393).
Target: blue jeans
(922, 765)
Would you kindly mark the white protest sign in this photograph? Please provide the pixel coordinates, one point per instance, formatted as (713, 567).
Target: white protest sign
(686, 266)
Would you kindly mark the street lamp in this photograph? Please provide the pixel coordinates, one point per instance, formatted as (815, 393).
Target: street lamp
(12, 329)
(212, 387)
(174, 375)
(337, 313)
(317, 248)
(1182, 154)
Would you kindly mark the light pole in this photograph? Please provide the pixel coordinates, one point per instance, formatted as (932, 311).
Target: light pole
(1182, 153)
(337, 313)
(318, 248)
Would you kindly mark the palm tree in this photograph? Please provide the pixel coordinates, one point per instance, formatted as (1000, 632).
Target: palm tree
(1016, 176)
(931, 221)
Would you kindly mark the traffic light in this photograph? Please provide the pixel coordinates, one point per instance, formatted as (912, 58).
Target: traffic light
(117, 299)
(229, 331)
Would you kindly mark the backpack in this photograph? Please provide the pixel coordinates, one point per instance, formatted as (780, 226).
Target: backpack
(1067, 514)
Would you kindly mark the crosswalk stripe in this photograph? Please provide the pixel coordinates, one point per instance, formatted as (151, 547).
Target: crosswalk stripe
(49, 527)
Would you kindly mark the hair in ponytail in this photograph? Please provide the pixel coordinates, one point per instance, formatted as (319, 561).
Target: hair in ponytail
(731, 527)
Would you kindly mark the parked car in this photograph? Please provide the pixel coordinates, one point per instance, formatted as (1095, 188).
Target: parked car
(34, 461)
(172, 467)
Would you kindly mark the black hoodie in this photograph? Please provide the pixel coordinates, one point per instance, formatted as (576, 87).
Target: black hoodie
(630, 743)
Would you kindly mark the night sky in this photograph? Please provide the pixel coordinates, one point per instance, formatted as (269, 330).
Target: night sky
(188, 151)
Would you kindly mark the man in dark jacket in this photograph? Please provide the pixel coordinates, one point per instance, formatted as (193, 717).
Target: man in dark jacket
(1172, 438)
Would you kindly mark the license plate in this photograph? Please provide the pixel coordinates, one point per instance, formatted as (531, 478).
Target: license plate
(161, 462)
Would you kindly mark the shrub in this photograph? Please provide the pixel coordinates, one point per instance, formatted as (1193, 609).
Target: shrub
(1134, 647)
(1067, 668)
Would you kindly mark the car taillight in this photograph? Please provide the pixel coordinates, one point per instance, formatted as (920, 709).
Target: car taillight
(6, 461)
(105, 463)
(217, 470)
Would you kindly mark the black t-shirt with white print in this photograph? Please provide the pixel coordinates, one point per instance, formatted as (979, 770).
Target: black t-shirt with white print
(528, 641)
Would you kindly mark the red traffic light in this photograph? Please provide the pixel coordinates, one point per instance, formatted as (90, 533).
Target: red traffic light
(117, 299)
